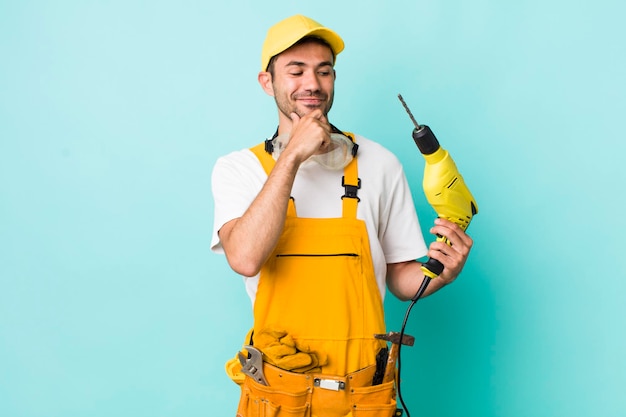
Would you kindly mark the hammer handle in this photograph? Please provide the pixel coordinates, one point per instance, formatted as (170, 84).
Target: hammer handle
(390, 369)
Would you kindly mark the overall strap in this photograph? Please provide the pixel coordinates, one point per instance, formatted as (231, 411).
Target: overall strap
(265, 158)
(351, 183)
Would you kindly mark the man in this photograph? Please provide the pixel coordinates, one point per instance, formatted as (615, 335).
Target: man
(319, 222)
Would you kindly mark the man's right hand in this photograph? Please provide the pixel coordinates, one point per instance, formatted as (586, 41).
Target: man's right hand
(310, 134)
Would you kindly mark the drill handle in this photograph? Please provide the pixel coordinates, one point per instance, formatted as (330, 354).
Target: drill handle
(432, 268)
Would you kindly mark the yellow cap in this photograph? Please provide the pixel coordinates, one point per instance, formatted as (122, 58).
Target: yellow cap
(286, 33)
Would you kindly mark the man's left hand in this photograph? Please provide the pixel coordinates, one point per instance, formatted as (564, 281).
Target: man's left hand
(452, 255)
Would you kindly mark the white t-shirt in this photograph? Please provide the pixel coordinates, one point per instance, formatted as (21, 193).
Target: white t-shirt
(386, 203)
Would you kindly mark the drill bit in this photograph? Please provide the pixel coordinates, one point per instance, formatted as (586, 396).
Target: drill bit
(417, 126)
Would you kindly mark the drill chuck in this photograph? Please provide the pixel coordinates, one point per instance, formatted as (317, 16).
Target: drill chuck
(425, 140)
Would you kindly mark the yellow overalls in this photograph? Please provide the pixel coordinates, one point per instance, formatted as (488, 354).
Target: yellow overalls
(319, 286)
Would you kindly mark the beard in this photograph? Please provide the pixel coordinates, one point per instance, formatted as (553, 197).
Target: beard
(287, 105)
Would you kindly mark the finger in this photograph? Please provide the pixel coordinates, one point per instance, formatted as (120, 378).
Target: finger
(295, 119)
(321, 118)
(325, 145)
(440, 221)
(446, 235)
(456, 244)
(445, 249)
(452, 231)
(317, 114)
(452, 260)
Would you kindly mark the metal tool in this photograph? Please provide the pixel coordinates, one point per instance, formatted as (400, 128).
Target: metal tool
(396, 340)
(381, 365)
(253, 364)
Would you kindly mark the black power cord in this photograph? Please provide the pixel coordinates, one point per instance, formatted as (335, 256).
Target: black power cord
(417, 296)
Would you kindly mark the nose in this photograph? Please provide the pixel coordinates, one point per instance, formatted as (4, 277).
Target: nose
(311, 82)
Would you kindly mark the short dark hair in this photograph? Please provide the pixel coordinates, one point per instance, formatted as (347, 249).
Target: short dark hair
(305, 40)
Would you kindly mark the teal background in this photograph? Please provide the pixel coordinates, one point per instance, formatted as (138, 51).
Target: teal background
(112, 114)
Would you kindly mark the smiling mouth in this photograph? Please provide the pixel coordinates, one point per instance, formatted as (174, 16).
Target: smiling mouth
(311, 103)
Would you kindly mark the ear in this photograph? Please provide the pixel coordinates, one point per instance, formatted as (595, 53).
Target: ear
(265, 80)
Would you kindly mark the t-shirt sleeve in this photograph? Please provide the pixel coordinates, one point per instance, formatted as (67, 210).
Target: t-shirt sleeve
(236, 180)
(400, 233)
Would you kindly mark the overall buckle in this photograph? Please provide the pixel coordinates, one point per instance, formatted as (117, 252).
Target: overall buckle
(351, 190)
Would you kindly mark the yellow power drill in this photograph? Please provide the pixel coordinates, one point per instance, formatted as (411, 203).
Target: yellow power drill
(444, 187)
(447, 193)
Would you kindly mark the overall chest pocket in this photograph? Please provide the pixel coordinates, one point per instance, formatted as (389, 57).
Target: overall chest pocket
(331, 275)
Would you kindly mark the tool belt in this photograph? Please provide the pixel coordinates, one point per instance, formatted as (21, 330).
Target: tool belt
(290, 394)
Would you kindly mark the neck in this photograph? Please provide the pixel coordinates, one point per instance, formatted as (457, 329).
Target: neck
(285, 124)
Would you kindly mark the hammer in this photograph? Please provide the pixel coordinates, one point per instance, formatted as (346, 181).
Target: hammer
(394, 338)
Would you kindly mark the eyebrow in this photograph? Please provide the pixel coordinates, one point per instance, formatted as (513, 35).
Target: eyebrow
(302, 64)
